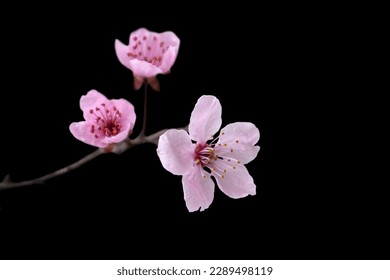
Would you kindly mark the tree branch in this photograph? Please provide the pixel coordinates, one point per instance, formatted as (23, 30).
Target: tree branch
(118, 149)
(7, 183)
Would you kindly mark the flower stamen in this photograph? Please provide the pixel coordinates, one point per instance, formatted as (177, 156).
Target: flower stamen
(107, 121)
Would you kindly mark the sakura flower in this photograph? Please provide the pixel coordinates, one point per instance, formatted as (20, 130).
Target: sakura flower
(198, 156)
(106, 121)
(148, 54)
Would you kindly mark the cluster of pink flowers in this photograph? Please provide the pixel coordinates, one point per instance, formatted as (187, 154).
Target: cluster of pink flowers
(196, 155)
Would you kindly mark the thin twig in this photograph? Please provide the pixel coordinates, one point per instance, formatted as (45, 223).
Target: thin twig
(118, 149)
(7, 183)
(142, 133)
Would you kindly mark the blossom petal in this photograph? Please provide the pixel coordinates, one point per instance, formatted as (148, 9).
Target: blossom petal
(172, 44)
(116, 138)
(236, 183)
(198, 191)
(121, 52)
(138, 34)
(205, 118)
(170, 39)
(82, 132)
(167, 38)
(169, 59)
(91, 100)
(240, 139)
(176, 150)
(126, 109)
(142, 68)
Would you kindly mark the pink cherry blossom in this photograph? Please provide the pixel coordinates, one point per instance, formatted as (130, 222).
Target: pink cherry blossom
(148, 54)
(106, 121)
(198, 155)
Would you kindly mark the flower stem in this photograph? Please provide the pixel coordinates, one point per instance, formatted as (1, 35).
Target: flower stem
(142, 133)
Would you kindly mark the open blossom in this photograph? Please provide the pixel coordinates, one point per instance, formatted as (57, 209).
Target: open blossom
(148, 54)
(222, 157)
(106, 121)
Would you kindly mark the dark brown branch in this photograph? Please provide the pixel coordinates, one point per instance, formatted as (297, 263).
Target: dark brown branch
(118, 149)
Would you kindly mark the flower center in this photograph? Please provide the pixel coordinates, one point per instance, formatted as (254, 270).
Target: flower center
(147, 48)
(204, 154)
(107, 121)
(216, 158)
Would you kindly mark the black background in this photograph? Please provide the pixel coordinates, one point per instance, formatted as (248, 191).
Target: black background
(277, 67)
